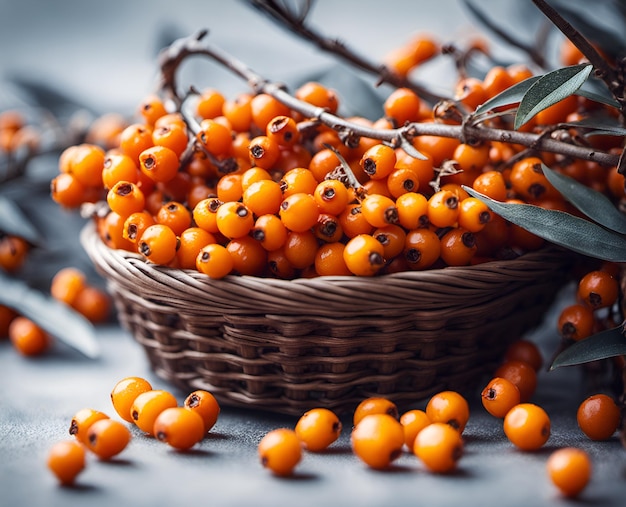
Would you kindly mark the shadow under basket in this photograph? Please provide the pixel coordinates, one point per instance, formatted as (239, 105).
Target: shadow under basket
(291, 345)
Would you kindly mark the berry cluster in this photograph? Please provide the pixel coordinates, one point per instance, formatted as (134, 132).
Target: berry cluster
(154, 412)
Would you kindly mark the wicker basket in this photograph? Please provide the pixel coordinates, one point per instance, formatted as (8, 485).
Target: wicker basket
(287, 346)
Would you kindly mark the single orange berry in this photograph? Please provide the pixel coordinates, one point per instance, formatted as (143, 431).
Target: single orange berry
(148, 405)
(82, 421)
(67, 284)
(499, 396)
(569, 470)
(439, 447)
(448, 407)
(598, 417)
(205, 404)
(377, 440)
(27, 337)
(522, 374)
(280, 451)
(318, 428)
(598, 289)
(66, 460)
(179, 427)
(124, 393)
(374, 405)
(413, 421)
(107, 438)
(527, 426)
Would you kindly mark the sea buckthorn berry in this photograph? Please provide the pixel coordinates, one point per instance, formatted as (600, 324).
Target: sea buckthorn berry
(67, 284)
(67, 191)
(265, 108)
(598, 289)
(576, 322)
(393, 239)
(179, 427)
(280, 451)
(214, 137)
(125, 198)
(443, 208)
(470, 92)
(598, 417)
(66, 460)
(191, 241)
(253, 175)
(374, 405)
(118, 167)
(107, 438)
(439, 447)
(322, 163)
(412, 210)
(175, 215)
(299, 212)
(234, 219)
(329, 260)
(318, 95)
(263, 197)
(458, 247)
(124, 393)
(413, 421)
(570, 470)
(270, 231)
(353, 222)
(422, 248)
(300, 248)
(499, 396)
(496, 80)
(238, 112)
(524, 350)
(318, 428)
(379, 210)
(135, 224)
(448, 407)
(159, 163)
(210, 103)
(148, 405)
(473, 214)
(328, 228)
(264, 152)
(522, 374)
(283, 130)
(279, 266)
(135, 139)
(471, 158)
(151, 109)
(298, 180)
(364, 255)
(111, 230)
(158, 244)
(82, 421)
(377, 440)
(527, 426)
(423, 168)
(168, 119)
(173, 137)
(528, 180)
(86, 164)
(215, 261)
(27, 337)
(400, 60)
(379, 161)
(94, 304)
(403, 105)
(401, 181)
(229, 187)
(205, 405)
(331, 196)
(205, 214)
(249, 257)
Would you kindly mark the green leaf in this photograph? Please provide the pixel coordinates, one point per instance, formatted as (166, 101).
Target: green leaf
(598, 126)
(609, 343)
(592, 203)
(13, 222)
(561, 228)
(512, 95)
(550, 89)
(605, 99)
(51, 315)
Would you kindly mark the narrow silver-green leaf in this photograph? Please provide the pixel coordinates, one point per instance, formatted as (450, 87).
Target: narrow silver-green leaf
(15, 223)
(609, 343)
(512, 95)
(561, 228)
(592, 203)
(51, 315)
(550, 89)
(598, 126)
(597, 97)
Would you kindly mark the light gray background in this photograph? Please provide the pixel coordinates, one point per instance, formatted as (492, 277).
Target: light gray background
(102, 54)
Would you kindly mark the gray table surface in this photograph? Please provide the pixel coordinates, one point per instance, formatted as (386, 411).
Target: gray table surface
(104, 55)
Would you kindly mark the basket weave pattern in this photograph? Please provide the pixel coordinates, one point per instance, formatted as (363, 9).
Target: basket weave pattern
(290, 345)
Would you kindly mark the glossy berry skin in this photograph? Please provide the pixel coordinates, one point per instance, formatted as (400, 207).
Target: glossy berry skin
(448, 407)
(364, 255)
(374, 405)
(377, 440)
(318, 428)
(148, 405)
(439, 447)
(66, 460)
(124, 393)
(598, 289)
(280, 451)
(215, 261)
(522, 374)
(576, 322)
(527, 426)
(570, 470)
(82, 421)
(107, 438)
(179, 427)
(598, 417)
(205, 404)
(158, 243)
(413, 422)
(499, 396)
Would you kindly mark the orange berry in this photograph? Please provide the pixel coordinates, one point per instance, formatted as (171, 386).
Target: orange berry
(527, 426)
(66, 460)
(499, 396)
(214, 260)
(125, 198)
(374, 405)
(159, 163)
(448, 407)
(598, 417)
(148, 405)
(364, 255)
(569, 470)
(524, 350)
(598, 289)
(205, 405)
(280, 451)
(94, 304)
(158, 243)
(318, 428)
(67, 284)
(377, 440)
(439, 447)
(299, 212)
(522, 374)
(179, 427)
(82, 421)
(107, 438)
(422, 248)
(329, 260)
(413, 422)
(124, 393)
(27, 337)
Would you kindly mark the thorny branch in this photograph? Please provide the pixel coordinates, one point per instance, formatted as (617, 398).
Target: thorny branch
(402, 137)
